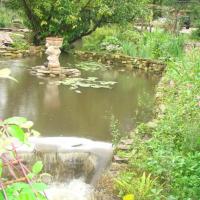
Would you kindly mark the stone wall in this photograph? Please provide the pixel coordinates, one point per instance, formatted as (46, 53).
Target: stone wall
(18, 53)
(123, 61)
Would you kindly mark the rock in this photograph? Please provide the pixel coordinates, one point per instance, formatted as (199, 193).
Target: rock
(52, 75)
(120, 160)
(39, 74)
(5, 39)
(71, 72)
(123, 147)
(127, 141)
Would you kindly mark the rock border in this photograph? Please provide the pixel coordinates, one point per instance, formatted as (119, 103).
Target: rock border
(123, 61)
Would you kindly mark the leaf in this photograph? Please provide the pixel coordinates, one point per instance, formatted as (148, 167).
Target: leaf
(27, 125)
(129, 197)
(37, 167)
(17, 132)
(35, 133)
(39, 186)
(31, 175)
(1, 167)
(5, 73)
(16, 120)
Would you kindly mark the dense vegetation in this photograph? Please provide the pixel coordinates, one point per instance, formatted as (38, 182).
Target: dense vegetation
(75, 19)
(164, 158)
(155, 45)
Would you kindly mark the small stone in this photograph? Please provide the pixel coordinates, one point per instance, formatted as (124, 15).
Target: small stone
(120, 160)
(127, 141)
(52, 75)
(123, 147)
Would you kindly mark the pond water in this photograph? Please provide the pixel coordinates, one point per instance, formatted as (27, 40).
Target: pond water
(59, 111)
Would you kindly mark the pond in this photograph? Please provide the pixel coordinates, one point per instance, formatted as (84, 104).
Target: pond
(93, 113)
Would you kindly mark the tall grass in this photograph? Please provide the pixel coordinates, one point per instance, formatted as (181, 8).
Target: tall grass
(6, 17)
(155, 45)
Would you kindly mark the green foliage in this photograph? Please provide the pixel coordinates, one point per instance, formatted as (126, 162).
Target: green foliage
(19, 42)
(171, 151)
(90, 82)
(72, 19)
(18, 128)
(37, 167)
(90, 66)
(23, 191)
(155, 45)
(196, 34)
(5, 17)
(141, 187)
(115, 130)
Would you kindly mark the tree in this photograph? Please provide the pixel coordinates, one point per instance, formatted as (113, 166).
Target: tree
(73, 19)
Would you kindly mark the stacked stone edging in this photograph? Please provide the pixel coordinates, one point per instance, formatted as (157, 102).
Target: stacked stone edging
(18, 53)
(120, 60)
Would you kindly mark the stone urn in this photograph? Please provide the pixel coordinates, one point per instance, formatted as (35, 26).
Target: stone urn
(53, 45)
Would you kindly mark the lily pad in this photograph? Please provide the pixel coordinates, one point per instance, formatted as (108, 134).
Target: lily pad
(91, 66)
(90, 82)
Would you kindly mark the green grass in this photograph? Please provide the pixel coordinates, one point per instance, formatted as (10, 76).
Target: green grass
(171, 154)
(155, 45)
(7, 16)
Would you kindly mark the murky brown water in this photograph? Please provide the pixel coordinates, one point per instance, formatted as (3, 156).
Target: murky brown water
(58, 111)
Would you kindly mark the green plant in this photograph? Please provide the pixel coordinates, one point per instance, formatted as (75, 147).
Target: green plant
(26, 185)
(141, 187)
(16, 181)
(196, 34)
(115, 130)
(7, 16)
(19, 42)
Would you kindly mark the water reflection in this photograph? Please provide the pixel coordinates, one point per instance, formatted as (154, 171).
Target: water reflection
(56, 110)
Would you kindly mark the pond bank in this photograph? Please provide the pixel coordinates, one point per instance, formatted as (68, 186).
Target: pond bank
(164, 154)
(124, 61)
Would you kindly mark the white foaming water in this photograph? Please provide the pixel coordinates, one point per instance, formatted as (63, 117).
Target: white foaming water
(76, 189)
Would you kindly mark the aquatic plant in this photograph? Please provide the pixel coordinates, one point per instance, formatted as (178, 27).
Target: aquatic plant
(90, 82)
(91, 66)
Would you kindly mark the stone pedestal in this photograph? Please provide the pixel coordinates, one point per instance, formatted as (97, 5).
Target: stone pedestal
(53, 45)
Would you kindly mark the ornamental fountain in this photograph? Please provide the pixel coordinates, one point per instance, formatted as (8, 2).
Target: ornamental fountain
(52, 67)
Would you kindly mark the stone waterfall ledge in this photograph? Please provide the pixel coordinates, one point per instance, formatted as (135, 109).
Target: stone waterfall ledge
(123, 61)
(19, 53)
(68, 157)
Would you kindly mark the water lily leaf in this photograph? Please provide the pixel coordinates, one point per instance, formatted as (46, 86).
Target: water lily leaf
(90, 82)
(91, 66)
